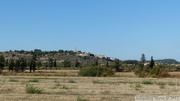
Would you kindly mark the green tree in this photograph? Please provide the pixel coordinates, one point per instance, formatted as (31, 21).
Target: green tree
(17, 65)
(77, 64)
(2, 62)
(55, 64)
(46, 65)
(96, 62)
(151, 63)
(37, 52)
(66, 63)
(50, 62)
(116, 65)
(39, 64)
(33, 63)
(23, 64)
(107, 63)
(143, 59)
(11, 64)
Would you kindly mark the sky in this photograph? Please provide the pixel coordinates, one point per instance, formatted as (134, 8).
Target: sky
(123, 29)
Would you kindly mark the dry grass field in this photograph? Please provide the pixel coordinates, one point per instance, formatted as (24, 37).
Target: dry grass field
(65, 85)
(73, 88)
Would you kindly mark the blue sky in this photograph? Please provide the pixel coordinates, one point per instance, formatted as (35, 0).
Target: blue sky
(123, 29)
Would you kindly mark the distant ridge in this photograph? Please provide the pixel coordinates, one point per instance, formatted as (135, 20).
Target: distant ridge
(167, 61)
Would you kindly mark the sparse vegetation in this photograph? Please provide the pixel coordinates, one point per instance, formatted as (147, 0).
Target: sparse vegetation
(65, 87)
(13, 80)
(81, 99)
(96, 72)
(138, 86)
(161, 85)
(105, 92)
(171, 83)
(97, 82)
(147, 82)
(34, 80)
(88, 88)
(71, 81)
(30, 89)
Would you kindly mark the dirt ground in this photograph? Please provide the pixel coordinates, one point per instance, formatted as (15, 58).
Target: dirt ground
(13, 88)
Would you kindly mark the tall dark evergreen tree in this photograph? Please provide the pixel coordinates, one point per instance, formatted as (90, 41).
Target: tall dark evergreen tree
(17, 65)
(11, 64)
(77, 64)
(151, 62)
(46, 65)
(116, 65)
(33, 63)
(23, 64)
(107, 63)
(143, 60)
(50, 63)
(96, 62)
(55, 64)
(2, 62)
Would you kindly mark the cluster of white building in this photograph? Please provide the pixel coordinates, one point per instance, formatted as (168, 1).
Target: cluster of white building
(98, 56)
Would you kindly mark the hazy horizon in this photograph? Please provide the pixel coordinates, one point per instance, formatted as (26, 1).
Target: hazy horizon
(122, 29)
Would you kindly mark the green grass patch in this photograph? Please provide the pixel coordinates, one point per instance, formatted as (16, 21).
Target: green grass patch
(13, 80)
(161, 85)
(34, 80)
(105, 92)
(147, 82)
(65, 87)
(81, 99)
(57, 85)
(138, 86)
(71, 81)
(171, 84)
(30, 89)
(98, 82)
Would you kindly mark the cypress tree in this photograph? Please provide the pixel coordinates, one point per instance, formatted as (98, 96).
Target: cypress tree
(33, 63)
(11, 64)
(55, 64)
(2, 62)
(151, 62)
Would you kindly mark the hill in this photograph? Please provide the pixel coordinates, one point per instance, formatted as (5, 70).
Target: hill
(167, 61)
(62, 57)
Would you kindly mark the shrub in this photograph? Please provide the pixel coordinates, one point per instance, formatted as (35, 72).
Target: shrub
(34, 80)
(71, 81)
(148, 82)
(171, 84)
(33, 90)
(96, 71)
(65, 87)
(138, 86)
(81, 99)
(161, 85)
(163, 73)
(146, 71)
(13, 80)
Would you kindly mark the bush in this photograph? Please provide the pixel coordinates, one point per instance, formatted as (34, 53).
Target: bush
(96, 72)
(156, 71)
(33, 90)
(147, 82)
(34, 80)
(13, 80)
(71, 81)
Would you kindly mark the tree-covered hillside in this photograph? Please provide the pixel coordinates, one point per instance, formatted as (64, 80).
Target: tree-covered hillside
(62, 58)
(167, 61)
